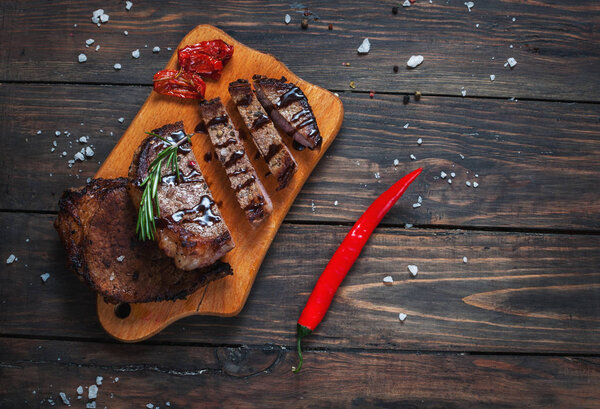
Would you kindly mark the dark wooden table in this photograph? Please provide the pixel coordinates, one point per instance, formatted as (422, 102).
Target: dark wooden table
(516, 326)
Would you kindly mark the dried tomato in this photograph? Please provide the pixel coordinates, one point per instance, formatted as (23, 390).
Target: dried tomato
(206, 58)
(180, 84)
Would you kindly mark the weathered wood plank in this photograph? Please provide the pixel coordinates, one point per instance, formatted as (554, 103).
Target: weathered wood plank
(553, 41)
(518, 292)
(537, 161)
(247, 377)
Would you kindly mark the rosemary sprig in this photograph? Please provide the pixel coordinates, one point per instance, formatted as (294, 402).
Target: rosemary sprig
(149, 208)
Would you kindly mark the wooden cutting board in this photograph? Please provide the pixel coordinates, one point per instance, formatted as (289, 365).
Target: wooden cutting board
(225, 297)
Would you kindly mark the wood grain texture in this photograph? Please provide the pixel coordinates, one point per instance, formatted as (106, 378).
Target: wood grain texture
(553, 41)
(537, 161)
(247, 377)
(225, 297)
(517, 293)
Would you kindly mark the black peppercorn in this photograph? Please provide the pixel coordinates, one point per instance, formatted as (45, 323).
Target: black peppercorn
(395, 68)
(394, 10)
(304, 23)
(406, 99)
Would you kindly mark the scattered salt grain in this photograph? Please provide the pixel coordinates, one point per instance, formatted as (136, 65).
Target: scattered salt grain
(335, 203)
(469, 5)
(168, 403)
(80, 390)
(406, 3)
(45, 277)
(413, 157)
(453, 174)
(419, 141)
(396, 162)
(468, 183)
(414, 61)
(150, 406)
(413, 270)
(312, 206)
(92, 392)
(89, 42)
(82, 58)
(402, 316)
(135, 53)
(415, 205)
(443, 175)
(11, 259)
(97, 13)
(126, 32)
(57, 133)
(377, 175)
(475, 184)
(90, 405)
(121, 120)
(156, 49)
(39, 132)
(117, 66)
(365, 47)
(461, 156)
(465, 259)
(83, 139)
(408, 225)
(128, 5)
(64, 153)
(406, 125)
(120, 259)
(89, 152)
(116, 379)
(64, 398)
(512, 62)
(99, 380)
(79, 156)
(104, 18)
(463, 92)
(97, 47)
(287, 19)
(54, 143)
(492, 77)
(419, 199)
(387, 280)
(112, 275)
(449, 181)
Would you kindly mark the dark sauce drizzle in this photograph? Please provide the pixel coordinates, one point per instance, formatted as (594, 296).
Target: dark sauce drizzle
(234, 158)
(218, 120)
(207, 156)
(247, 183)
(260, 121)
(206, 217)
(298, 146)
(273, 150)
(293, 95)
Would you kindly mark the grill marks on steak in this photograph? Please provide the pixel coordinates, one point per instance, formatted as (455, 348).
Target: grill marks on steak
(289, 109)
(96, 225)
(249, 191)
(190, 228)
(279, 159)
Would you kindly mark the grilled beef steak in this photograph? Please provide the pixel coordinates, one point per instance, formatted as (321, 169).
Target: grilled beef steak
(289, 109)
(280, 161)
(190, 228)
(96, 224)
(249, 191)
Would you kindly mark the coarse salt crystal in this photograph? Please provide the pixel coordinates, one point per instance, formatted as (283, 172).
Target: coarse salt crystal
(64, 153)
(64, 398)
(83, 139)
(365, 47)
(335, 203)
(419, 141)
(57, 133)
(45, 277)
(156, 49)
(121, 120)
(79, 156)
(126, 32)
(287, 19)
(39, 132)
(406, 3)
(89, 41)
(512, 62)
(150, 406)
(468, 183)
(116, 379)
(99, 380)
(469, 5)
(414, 61)
(453, 174)
(402, 316)
(449, 181)
(92, 392)
(54, 143)
(120, 259)
(97, 13)
(377, 175)
(465, 259)
(388, 280)
(97, 47)
(461, 155)
(11, 259)
(492, 77)
(415, 205)
(89, 152)
(128, 5)
(475, 184)
(443, 175)
(104, 18)
(413, 157)
(135, 53)
(406, 125)
(463, 92)
(396, 162)
(90, 405)
(117, 66)
(82, 58)
(80, 390)
(413, 270)
(419, 199)
(408, 225)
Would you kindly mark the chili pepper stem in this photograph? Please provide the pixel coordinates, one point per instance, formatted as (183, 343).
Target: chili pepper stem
(301, 331)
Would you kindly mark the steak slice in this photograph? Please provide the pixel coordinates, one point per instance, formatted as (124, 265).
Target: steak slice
(229, 148)
(190, 228)
(96, 225)
(289, 109)
(279, 159)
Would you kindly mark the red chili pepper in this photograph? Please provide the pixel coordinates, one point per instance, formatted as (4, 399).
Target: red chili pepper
(206, 58)
(180, 84)
(344, 257)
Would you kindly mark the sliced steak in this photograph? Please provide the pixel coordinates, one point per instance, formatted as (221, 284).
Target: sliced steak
(279, 159)
(249, 191)
(190, 228)
(96, 225)
(289, 109)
